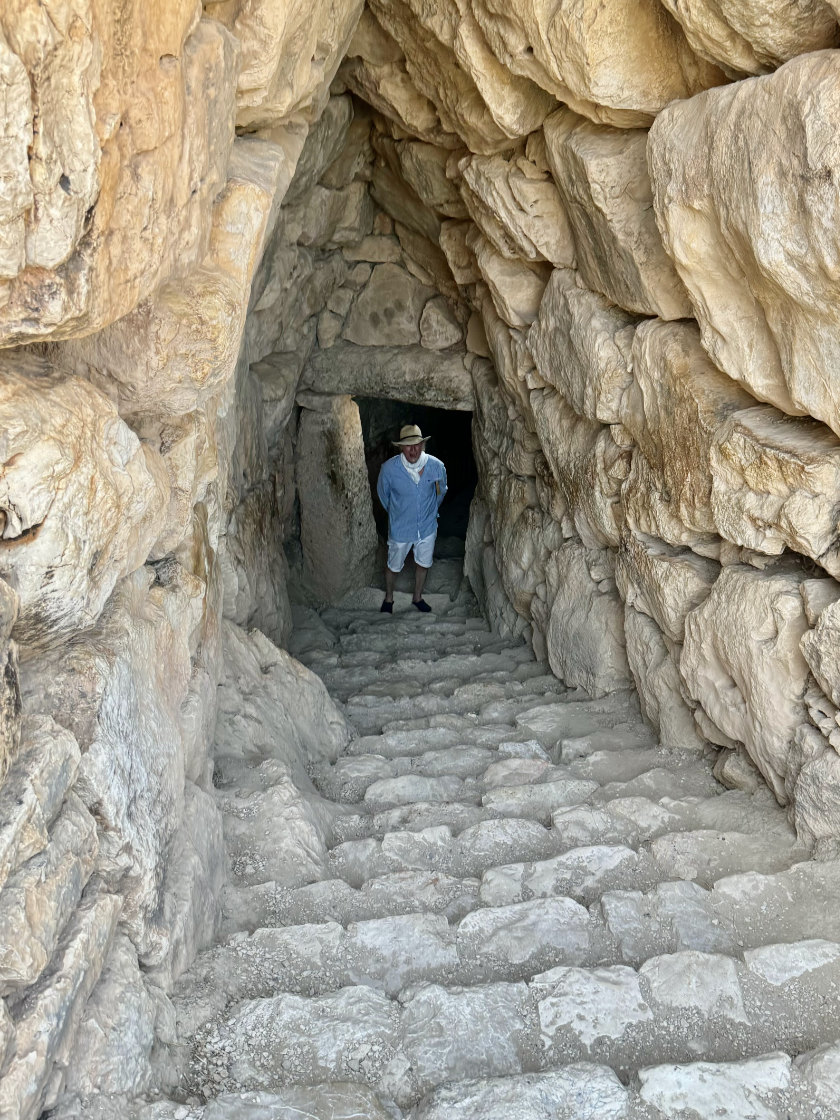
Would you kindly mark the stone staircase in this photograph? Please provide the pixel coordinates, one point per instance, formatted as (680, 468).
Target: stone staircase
(531, 912)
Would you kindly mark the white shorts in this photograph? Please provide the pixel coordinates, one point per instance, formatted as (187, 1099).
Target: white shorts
(423, 551)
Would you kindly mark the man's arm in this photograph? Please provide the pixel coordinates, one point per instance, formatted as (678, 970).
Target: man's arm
(383, 488)
(441, 487)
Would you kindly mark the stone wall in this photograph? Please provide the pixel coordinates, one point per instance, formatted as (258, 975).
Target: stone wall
(613, 238)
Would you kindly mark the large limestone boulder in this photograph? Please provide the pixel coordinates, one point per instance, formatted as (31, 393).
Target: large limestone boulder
(82, 499)
(424, 167)
(742, 663)
(337, 530)
(587, 466)
(585, 634)
(516, 286)
(821, 648)
(451, 63)
(581, 344)
(603, 180)
(753, 36)
(403, 373)
(615, 62)
(774, 481)
(290, 53)
(387, 311)
(673, 410)
(742, 183)
(135, 117)
(517, 206)
(499, 423)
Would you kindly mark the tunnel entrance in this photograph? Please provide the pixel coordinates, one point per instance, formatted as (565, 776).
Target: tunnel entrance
(451, 441)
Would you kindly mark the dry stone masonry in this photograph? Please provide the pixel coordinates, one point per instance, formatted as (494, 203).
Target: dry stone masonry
(593, 842)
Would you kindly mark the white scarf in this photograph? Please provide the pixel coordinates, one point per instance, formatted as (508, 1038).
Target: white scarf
(415, 469)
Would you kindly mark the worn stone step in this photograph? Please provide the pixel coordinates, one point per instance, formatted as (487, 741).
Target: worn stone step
(679, 1008)
(344, 680)
(400, 744)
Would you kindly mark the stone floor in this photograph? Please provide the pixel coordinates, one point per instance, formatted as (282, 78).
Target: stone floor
(532, 912)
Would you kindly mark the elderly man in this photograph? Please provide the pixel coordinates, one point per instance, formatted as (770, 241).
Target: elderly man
(411, 487)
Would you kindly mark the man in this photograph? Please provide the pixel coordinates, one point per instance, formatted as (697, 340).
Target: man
(411, 487)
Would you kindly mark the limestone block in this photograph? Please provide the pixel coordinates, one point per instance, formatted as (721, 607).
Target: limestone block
(375, 70)
(615, 62)
(816, 794)
(581, 344)
(179, 348)
(734, 220)
(516, 286)
(17, 136)
(439, 329)
(354, 159)
(10, 705)
(271, 706)
(404, 373)
(46, 1026)
(34, 789)
(291, 286)
(451, 63)
(387, 311)
(773, 481)
(655, 671)
(324, 217)
(81, 498)
(585, 634)
(325, 141)
(508, 349)
(673, 410)
(120, 690)
(517, 206)
(821, 649)
(742, 662)
(194, 876)
(38, 900)
(754, 36)
(662, 582)
(424, 167)
(290, 53)
(425, 260)
(587, 466)
(278, 378)
(520, 547)
(377, 250)
(391, 192)
(337, 530)
(649, 509)
(114, 1038)
(461, 258)
(135, 123)
(499, 423)
(603, 180)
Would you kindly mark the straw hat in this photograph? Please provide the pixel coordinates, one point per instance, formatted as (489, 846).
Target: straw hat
(409, 435)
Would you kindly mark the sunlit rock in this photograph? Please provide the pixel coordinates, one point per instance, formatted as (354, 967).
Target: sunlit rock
(387, 311)
(439, 329)
(603, 180)
(516, 286)
(756, 245)
(403, 373)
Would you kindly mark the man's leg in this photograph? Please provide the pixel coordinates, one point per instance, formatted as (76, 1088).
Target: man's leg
(419, 581)
(423, 558)
(390, 581)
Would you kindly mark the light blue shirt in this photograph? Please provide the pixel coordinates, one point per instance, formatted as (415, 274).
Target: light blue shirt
(412, 507)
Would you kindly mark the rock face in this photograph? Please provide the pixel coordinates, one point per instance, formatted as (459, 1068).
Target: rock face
(608, 230)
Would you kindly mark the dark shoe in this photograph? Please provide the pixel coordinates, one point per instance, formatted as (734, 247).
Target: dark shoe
(386, 608)
(422, 606)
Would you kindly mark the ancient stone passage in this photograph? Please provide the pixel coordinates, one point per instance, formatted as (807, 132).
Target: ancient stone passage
(571, 845)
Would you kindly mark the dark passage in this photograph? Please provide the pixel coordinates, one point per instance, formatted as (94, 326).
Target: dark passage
(450, 441)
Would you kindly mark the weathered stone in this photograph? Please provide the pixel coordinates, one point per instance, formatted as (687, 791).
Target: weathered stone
(326, 218)
(516, 286)
(377, 250)
(585, 634)
(507, 347)
(754, 36)
(734, 220)
(403, 373)
(773, 481)
(742, 662)
(82, 499)
(115, 211)
(452, 64)
(38, 900)
(338, 534)
(387, 312)
(662, 582)
(499, 423)
(821, 647)
(427, 261)
(816, 792)
(120, 692)
(517, 206)
(424, 167)
(10, 704)
(581, 344)
(324, 143)
(603, 179)
(461, 258)
(391, 192)
(587, 466)
(673, 410)
(290, 53)
(439, 329)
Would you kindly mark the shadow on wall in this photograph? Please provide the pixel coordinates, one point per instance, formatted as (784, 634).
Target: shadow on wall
(450, 441)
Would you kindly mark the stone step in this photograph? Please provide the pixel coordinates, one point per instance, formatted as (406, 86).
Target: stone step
(345, 680)
(408, 744)
(675, 1009)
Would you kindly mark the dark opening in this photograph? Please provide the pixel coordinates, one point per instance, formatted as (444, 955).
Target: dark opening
(450, 441)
